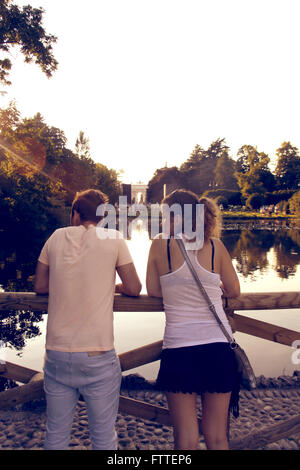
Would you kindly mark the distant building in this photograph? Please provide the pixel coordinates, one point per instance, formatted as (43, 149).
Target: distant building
(136, 193)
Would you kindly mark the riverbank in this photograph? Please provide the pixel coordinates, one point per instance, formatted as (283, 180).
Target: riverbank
(257, 215)
(275, 400)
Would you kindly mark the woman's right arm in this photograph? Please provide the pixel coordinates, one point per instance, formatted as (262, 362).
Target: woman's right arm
(229, 280)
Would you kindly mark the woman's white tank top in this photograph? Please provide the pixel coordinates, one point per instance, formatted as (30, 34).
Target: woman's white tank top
(189, 320)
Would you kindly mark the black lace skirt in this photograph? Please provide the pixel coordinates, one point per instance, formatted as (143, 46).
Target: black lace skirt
(202, 368)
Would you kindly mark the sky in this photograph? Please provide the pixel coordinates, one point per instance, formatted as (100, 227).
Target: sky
(147, 80)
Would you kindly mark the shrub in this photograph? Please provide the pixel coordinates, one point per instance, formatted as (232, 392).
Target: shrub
(222, 200)
(234, 198)
(276, 196)
(294, 203)
(255, 201)
(283, 206)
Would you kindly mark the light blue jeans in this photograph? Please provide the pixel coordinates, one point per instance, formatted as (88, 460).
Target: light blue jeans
(98, 380)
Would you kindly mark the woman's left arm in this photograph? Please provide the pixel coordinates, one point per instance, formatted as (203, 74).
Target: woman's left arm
(152, 278)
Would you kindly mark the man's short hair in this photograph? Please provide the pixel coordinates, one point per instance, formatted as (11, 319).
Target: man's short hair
(86, 203)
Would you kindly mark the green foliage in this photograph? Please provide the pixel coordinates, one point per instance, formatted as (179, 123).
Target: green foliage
(213, 173)
(284, 207)
(253, 174)
(233, 198)
(276, 196)
(255, 201)
(170, 176)
(221, 200)
(23, 27)
(294, 203)
(287, 170)
(225, 173)
(198, 171)
(39, 175)
(107, 181)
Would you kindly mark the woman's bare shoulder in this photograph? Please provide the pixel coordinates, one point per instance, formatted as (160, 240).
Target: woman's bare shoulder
(217, 242)
(219, 245)
(158, 241)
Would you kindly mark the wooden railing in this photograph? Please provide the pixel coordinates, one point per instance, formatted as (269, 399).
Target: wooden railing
(33, 380)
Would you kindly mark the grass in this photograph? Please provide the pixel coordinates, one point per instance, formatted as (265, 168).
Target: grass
(255, 215)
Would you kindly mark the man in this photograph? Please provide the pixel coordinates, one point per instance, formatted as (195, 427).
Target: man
(77, 266)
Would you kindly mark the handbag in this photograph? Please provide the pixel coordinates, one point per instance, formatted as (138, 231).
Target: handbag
(247, 376)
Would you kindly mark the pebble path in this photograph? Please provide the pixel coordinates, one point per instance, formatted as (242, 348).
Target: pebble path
(25, 428)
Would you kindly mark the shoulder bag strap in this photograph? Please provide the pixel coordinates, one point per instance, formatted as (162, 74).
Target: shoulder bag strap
(169, 255)
(230, 339)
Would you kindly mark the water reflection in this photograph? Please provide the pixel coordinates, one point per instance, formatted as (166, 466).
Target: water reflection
(287, 250)
(250, 249)
(254, 251)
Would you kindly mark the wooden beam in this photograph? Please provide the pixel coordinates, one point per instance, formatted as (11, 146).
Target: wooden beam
(267, 434)
(143, 303)
(260, 329)
(145, 410)
(265, 301)
(23, 301)
(17, 373)
(24, 393)
(140, 356)
(36, 377)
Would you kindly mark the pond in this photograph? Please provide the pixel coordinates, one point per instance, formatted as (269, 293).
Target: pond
(266, 258)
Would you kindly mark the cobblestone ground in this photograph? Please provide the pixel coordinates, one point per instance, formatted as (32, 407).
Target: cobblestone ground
(25, 429)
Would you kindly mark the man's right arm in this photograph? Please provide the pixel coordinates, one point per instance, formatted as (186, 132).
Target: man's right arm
(131, 284)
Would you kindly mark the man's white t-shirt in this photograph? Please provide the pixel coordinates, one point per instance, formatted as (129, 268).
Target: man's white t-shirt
(82, 276)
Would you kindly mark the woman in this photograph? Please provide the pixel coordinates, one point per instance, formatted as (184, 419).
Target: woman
(196, 356)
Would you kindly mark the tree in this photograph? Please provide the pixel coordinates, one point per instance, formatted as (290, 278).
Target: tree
(246, 154)
(233, 198)
(9, 119)
(224, 173)
(23, 27)
(294, 203)
(82, 146)
(287, 169)
(198, 170)
(253, 174)
(194, 160)
(107, 181)
(255, 201)
(172, 177)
